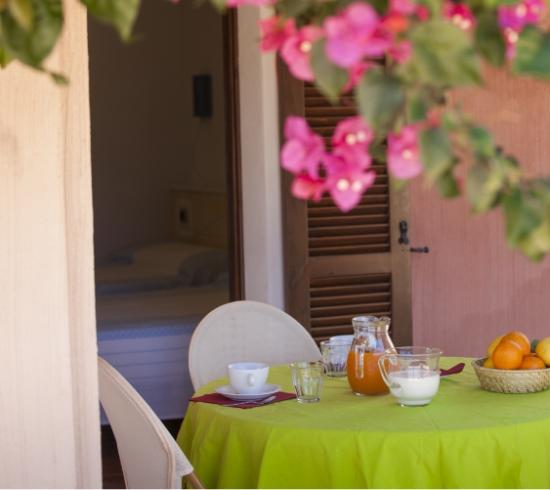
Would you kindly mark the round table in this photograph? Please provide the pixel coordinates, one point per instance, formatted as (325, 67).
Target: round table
(466, 438)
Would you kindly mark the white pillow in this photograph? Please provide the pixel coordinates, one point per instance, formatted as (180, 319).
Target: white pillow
(204, 268)
(161, 266)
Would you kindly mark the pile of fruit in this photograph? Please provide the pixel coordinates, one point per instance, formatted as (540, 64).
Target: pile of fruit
(514, 351)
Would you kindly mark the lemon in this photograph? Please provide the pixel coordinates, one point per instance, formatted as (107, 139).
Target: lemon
(488, 363)
(543, 350)
(493, 346)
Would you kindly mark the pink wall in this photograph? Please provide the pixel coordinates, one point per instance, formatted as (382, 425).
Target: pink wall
(472, 287)
(144, 137)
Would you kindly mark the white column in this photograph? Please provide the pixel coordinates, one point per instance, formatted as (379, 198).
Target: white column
(260, 165)
(49, 423)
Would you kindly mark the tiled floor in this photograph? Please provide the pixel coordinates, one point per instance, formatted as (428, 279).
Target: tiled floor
(112, 472)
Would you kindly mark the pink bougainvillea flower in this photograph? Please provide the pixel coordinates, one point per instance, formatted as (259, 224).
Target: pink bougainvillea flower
(303, 149)
(347, 179)
(511, 37)
(422, 13)
(404, 153)
(459, 14)
(513, 18)
(403, 7)
(401, 51)
(535, 10)
(296, 51)
(518, 15)
(355, 73)
(275, 31)
(353, 132)
(304, 187)
(352, 34)
(395, 23)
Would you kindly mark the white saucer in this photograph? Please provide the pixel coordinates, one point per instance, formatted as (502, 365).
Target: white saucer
(229, 392)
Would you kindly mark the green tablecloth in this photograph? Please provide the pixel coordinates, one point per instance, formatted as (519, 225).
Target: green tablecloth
(465, 438)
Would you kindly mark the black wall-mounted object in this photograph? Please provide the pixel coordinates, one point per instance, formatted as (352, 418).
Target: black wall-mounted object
(202, 96)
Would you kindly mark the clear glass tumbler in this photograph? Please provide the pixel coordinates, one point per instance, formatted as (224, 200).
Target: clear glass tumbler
(335, 355)
(307, 378)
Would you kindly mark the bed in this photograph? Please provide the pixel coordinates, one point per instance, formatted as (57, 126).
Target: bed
(150, 298)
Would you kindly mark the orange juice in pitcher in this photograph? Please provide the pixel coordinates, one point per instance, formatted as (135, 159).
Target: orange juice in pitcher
(371, 339)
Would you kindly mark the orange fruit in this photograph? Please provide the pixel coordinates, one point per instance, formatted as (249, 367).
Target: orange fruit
(532, 362)
(521, 339)
(493, 345)
(508, 355)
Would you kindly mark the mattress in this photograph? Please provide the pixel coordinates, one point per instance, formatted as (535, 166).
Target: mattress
(146, 337)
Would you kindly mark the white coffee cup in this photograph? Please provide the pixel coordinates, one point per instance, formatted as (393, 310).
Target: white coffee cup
(248, 377)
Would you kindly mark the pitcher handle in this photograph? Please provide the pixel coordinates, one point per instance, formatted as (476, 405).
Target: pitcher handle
(381, 360)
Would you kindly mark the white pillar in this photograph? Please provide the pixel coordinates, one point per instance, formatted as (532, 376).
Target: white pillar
(49, 423)
(260, 164)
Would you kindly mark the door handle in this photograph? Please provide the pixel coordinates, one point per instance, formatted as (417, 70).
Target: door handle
(420, 250)
(404, 239)
(403, 233)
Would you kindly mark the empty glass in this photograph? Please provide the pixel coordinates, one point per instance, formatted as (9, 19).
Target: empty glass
(307, 378)
(335, 355)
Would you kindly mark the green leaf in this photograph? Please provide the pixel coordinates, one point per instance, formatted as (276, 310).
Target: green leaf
(417, 107)
(293, 8)
(443, 55)
(482, 142)
(489, 40)
(483, 186)
(32, 47)
(22, 12)
(523, 216)
(4, 57)
(59, 78)
(436, 152)
(121, 14)
(447, 185)
(533, 53)
(328, 77)
(381, 98)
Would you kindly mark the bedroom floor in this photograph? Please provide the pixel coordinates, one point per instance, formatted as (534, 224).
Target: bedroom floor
(112, 472)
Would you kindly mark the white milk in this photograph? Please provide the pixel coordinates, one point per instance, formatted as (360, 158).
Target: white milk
(414, 387)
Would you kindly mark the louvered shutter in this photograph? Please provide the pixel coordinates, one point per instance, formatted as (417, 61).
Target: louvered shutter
(341, 265)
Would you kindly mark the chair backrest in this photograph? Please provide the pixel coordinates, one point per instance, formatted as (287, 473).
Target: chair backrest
(149, 455)
(246, 331)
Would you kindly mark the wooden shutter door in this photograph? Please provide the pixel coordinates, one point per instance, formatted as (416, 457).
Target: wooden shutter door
(340, 265)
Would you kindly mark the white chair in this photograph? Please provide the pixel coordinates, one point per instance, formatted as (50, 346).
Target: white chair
(149, 455)
(246, 331)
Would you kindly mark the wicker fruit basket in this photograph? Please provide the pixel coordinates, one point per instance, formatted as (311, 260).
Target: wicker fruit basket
(516, 381)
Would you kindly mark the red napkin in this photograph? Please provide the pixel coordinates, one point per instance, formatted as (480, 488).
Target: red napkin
(218, 399)
(458, 368)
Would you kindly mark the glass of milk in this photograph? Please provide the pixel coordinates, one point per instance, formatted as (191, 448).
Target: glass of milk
(411, 373)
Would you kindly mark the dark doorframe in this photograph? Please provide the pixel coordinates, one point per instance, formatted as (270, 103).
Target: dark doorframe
(233, 147)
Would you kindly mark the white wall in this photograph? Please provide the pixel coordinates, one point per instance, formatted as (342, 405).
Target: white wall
(260, 165)
(144, 137)
(49, 423)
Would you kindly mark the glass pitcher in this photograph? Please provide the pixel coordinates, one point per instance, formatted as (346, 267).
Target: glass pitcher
(371, 339)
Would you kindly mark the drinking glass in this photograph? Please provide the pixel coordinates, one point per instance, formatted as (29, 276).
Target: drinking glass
(307, 378)
(335, 355)
(411, 373)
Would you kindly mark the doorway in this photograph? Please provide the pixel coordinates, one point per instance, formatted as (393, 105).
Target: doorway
(167, 191)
